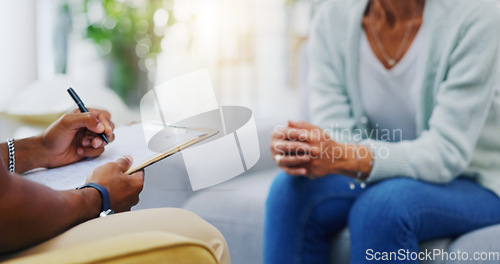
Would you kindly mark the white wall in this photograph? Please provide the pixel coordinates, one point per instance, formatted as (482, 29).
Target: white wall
(18, 65)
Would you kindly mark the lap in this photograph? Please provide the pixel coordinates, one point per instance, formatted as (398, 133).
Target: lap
(461, 194)
(303, 214)
(323, 200)
(435, 210)
(172, 220)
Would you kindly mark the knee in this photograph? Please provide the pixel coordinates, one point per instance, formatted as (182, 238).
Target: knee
(282, 189)
(289, 197)
(386, 207)
(198, 229)
(299, 199)
(296, 193)
(174, 214)
(177, 220)
(290, 193)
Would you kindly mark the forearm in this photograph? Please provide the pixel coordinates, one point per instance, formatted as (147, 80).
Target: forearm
(32, 213)
(29, 154)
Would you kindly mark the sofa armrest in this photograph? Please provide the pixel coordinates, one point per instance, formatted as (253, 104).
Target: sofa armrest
(144, 247)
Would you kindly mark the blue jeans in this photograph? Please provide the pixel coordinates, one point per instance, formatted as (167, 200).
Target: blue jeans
(302, 215)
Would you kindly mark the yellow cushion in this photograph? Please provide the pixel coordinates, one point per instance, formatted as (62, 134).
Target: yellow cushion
(145, 247)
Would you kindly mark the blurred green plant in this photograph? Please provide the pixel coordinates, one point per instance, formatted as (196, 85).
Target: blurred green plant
(129, 33)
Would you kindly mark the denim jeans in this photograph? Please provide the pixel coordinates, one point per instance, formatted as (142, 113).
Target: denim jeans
(302, 215)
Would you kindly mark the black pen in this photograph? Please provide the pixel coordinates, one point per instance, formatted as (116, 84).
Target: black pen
(83, 109)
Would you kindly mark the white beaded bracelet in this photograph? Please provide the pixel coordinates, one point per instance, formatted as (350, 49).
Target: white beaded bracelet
(12, 155)
(359, 174)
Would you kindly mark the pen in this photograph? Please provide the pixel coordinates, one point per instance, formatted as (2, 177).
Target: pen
(83, 109)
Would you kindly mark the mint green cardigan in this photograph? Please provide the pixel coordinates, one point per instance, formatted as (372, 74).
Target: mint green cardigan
(458, 110)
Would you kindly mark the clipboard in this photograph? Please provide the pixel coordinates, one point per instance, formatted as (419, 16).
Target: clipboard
(206, 133)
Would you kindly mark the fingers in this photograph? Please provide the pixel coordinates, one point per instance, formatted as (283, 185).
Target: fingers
(299, 131)
(92, 139)
(311, 133)
(294, 164)
(104, 117)
(301, 125)
(285, 147)
(293, 160)
(139, 174)
(298, 144)
(86, 141)
(76, 121)
(124, 162)
(97, 142)
(295, 171)
(139, 178)
(287, 133)
(89, 152)
(97, 121)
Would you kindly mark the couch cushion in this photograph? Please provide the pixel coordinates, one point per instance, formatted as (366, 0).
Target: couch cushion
(341, 247)
(236, 208)
(484, 241)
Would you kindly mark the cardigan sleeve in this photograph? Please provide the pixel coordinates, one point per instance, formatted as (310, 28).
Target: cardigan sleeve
(330, 106)
(462, 103)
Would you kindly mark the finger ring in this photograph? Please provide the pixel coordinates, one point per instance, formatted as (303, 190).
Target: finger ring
(277, 158)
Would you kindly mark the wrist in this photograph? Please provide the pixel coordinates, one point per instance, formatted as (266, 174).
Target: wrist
(366, 161)
(103, 192)
(37, 153)
(41, 152)
(29, 154)
(352, 153)
(92, 201)
(359, 161)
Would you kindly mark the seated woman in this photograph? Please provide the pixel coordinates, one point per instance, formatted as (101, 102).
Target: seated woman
(36, 219)
(405, 100)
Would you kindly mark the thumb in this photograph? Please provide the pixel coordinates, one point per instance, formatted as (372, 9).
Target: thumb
(124, 162)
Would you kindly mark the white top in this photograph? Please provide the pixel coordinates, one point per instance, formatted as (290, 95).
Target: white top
(389, 97)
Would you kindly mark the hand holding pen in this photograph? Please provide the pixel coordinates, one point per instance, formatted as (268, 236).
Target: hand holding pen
(83, 109)
(73, 137)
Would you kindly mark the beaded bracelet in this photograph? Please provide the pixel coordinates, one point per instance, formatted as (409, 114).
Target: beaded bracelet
(359, 173)
(12, 155)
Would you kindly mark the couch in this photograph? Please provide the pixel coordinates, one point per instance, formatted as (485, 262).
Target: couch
(236, 208)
